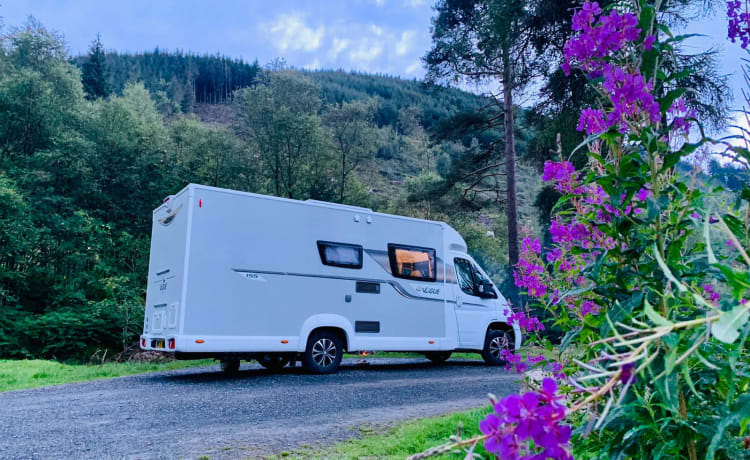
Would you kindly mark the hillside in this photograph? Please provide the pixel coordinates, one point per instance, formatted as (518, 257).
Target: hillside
(90, 145)
(189, 77)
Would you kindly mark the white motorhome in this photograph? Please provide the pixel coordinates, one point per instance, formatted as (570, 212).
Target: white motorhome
(235, 275)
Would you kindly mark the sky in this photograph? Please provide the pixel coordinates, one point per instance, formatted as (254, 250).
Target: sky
(385, 36)
(382, 36)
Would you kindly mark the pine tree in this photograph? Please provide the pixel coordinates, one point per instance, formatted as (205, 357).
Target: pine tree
(94, 74)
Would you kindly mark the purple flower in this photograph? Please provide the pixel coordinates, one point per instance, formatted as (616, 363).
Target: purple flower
(557, 370)
(628, 373)
(563, 174)
(643, 194)
(518, 419)
(553, 255)
(710, 291)
(648, 42)
(589, 308)
(529, 245)
(527, 323)
(739, 24)
(680, 117)
(592, 121)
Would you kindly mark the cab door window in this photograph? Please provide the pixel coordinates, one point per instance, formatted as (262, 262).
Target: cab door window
(471, 281)
(465, 276)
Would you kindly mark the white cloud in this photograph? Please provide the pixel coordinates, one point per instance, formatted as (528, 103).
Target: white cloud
(366, 51)
(414, 68)
(314, 65)
(291, 33)
(414, 3)
(338, 45)
(404, 44)
(380, 2)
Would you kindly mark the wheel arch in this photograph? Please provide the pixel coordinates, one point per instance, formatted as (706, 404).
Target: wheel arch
(334, 323)
(503, 326)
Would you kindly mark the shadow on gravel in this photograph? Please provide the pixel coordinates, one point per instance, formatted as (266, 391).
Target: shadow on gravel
(217, 375)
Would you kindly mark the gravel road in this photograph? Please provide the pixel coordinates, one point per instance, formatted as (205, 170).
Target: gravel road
(194, 412)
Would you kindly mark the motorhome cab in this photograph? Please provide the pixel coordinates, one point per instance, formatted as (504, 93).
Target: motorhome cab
(236, 275)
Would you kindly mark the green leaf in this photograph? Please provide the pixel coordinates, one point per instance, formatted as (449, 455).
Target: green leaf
(727, 327)
(655, 317)
(666, 102)
(707, 236)
(740, 411)
(668, 389)
(569, 336)
(685, 368)
(667, 271)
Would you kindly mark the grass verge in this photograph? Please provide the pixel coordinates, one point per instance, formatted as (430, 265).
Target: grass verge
(22, 374)
(403, 439)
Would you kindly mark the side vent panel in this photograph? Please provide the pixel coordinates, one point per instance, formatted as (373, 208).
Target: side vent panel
(367, 326)
(366, 287)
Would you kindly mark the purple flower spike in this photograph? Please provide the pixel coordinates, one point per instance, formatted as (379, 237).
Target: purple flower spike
(534, 417)
(648, 43)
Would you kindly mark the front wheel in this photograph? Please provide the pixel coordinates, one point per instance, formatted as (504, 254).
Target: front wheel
(273, 361)
(438, 357)
(323, 353)
(494, 345)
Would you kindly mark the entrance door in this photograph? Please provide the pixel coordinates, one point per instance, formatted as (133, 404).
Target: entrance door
(471, 310)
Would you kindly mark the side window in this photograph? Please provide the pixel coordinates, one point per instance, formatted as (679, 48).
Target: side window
(464, 275)
(340, 254)
(412, 262)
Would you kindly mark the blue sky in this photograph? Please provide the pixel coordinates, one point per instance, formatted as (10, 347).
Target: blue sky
(385, 36)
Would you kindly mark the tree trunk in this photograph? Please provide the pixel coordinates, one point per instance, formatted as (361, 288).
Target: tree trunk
(343, 178)
(510, 171)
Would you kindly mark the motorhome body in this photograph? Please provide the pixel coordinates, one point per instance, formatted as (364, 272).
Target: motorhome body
(236, 275)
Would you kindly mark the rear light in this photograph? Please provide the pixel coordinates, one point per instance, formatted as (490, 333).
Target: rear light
(170, 344)
(143, 343)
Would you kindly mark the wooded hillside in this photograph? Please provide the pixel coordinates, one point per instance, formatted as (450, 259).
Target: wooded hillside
(90, 145)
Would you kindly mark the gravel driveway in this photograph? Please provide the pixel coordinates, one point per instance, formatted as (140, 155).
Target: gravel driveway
(194, 412)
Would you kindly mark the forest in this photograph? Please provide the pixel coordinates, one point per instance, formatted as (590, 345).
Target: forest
(90, 144)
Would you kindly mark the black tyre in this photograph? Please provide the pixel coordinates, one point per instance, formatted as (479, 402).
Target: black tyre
(230, 366)
(323, 353)
(273, 361)
(495, 342)
(438, 357)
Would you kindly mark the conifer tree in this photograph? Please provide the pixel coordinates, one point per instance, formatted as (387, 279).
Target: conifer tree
(94, 73)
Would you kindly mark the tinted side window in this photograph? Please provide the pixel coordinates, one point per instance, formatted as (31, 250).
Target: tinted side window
(412, 262)
(340, 254)
(464, 275)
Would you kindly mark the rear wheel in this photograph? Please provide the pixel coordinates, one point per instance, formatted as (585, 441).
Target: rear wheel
(273, 361)
(323, 353)
(494, 344)
(230, 366)
(438, 357)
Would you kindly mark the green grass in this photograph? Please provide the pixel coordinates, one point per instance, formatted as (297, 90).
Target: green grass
(21, 374)
(403, 439)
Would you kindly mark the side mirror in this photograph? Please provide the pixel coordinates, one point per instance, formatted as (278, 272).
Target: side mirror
(486, 290)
